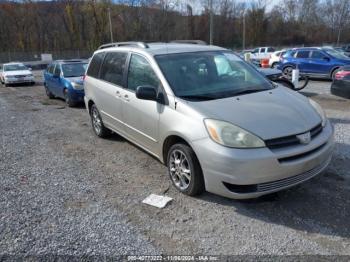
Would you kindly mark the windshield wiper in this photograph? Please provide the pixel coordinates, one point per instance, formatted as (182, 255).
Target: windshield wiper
(198, 97)
(249, 91)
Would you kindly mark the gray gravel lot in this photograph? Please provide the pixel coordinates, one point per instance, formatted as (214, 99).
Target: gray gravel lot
(65, 191)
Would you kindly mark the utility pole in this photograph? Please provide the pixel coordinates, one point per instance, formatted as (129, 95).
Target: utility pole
(110, 23)
(211, 22)
(243, 33)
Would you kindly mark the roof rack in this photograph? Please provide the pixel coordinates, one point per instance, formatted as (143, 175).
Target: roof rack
(117, 44)
(195, 42)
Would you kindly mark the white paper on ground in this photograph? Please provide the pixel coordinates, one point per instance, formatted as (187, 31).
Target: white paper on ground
(157, 200)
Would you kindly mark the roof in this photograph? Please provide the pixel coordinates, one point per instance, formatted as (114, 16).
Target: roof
(70, 61)
(13, 63)
(310, 48)
(167, 48)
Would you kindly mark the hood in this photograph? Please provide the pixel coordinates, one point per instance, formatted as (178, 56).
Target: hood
(17, 73)
(270, 71)
(345, 61)
(269, 114)
(76, 79)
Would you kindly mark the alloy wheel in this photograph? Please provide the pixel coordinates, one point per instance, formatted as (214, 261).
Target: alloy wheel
(96, 120)
(180, 170)
(287, 72)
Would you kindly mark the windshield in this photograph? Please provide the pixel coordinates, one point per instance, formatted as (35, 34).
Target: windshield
(336, 54)
(72, 70)
(15, 67)
(210, 75)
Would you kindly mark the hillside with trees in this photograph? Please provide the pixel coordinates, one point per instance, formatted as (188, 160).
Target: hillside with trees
(60, 25)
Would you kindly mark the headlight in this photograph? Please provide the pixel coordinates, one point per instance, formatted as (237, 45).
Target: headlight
(230, 135)
(320, 111)
(9, 77)
(77, 86)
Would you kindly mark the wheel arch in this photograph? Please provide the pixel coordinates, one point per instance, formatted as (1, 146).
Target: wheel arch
(89, 105)
(334, 68)
(168, 142)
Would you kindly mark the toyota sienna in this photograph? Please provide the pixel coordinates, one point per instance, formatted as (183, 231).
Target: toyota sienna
(211, 118)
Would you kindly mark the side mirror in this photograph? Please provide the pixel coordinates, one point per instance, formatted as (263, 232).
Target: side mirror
(30, 69)
(146, 93)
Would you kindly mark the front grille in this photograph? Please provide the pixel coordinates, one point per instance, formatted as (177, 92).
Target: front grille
(292, 180)
(299, 156)
(278, 184)
(291, 140)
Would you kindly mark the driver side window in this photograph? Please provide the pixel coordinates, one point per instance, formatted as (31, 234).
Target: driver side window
(57, 70)
(141, 73)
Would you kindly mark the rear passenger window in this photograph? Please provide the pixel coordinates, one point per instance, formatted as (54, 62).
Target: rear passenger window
(57, 70)
(303, 54)
(270, 49)
(95, 65)
(317, 55)
(113, 67)
(141, 73)
(262, 50)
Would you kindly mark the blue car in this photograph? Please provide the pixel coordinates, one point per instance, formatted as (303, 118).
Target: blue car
(64, 79)
(313, 61)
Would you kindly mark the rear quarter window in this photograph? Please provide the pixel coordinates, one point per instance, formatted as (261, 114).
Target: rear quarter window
(113, 66)
(95, 65)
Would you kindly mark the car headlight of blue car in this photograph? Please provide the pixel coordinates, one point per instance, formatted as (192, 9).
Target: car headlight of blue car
(77, 86)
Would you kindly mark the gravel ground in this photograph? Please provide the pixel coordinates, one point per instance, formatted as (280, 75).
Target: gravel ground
(65, 191)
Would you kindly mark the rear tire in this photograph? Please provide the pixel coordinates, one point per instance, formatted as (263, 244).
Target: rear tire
(48, 93)
(97, 124)
(184, 170)
(334, 72)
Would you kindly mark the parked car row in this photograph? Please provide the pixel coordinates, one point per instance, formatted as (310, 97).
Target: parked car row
(320, 62)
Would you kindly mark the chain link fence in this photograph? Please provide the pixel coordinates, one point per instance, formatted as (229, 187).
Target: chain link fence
(10, 56)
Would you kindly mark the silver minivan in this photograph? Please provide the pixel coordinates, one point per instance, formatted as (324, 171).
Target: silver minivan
(211, 118)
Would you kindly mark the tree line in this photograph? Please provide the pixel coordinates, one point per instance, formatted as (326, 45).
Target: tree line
(60, 25)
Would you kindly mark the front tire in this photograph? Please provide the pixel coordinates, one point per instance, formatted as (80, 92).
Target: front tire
(97, 124)
(287, 72)
(184, 170)
(67, 99)
(274, 65)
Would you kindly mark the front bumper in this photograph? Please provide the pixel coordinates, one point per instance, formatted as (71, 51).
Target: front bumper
(77, 95)
(19, 80)
(341, 88)
(249, 173)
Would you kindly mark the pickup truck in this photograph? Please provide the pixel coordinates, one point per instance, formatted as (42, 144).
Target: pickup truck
(261, 53)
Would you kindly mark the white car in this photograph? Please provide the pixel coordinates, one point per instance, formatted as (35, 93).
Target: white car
(275, 58)
(16, 73)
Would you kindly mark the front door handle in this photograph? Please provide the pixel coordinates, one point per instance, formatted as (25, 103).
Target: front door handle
(117, 93)
(126, 97)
